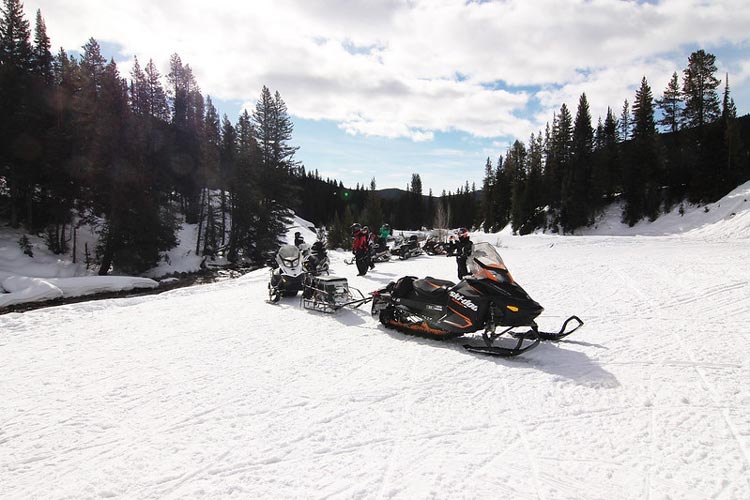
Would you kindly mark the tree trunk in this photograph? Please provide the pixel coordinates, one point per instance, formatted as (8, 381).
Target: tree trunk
(223, 217)
(200, 224)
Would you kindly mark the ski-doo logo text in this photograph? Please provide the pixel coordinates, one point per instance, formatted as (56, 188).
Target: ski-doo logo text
(463, 300)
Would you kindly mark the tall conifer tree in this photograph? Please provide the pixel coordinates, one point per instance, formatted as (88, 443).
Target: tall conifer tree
(699, 88)
(575, 203)
(642, 172)
(671, 105)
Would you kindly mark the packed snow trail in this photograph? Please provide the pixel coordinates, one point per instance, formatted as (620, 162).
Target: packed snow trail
(211, 392)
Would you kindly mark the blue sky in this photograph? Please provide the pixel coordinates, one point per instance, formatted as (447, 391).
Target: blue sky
(389, 88)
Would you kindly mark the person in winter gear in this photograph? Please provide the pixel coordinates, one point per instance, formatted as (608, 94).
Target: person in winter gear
(370, 246)
(451, 245)
(360, 249)
(298, 239)
(381, 239)
(317, 260)
(385, 232)
(463, 250)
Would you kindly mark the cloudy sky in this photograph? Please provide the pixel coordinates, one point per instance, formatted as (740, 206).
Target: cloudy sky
(388, 88)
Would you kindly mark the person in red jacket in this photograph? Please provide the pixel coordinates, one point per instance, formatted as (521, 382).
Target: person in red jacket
(361, 249)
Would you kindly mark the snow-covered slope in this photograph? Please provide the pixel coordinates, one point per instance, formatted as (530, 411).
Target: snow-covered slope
(210, 392)
(728, 218)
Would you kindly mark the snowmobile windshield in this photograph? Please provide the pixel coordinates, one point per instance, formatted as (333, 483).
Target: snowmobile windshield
(289, 255)
(485, 261)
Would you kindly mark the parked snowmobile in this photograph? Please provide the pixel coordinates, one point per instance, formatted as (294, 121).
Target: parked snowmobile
(433, 247)
(316, 262)
(379, 251)
(408, 248)
(486, 299)
(287, 273)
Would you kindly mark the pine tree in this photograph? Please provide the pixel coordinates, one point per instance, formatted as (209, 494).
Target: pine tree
(488, 201)
(134, 229)
(245, 195)
(155, 97)
(276, 169)
(611, 174)
(671, 105)
(625, 122)
(63, 146)
(40, 121)
(575, 202)
(699, 88)
(16, 89)
(515, 165)
(641, 175)
(558, 158)
(732, 142)
(188, 121)
(533, 197)
(502, 195)
(372, 214)
(41, 57)
(415, 202)
(227, 167)
(728, 109)
(208, 214)
(138, 95)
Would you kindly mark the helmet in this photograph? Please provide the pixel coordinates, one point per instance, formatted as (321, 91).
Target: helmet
(386, 226)
(463, 232)
(297, 234)
(365, 228)
(356, 228)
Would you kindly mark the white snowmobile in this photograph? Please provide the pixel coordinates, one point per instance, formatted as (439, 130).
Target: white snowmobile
(287, 273)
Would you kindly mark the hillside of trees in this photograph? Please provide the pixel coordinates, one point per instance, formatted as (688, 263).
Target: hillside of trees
(563, 178)
(135, 156)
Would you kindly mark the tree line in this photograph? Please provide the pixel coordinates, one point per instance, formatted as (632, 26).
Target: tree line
(687, 145)
(135, 156)
(81, 144)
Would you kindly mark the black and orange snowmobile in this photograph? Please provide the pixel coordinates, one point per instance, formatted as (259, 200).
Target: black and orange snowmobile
(485, 300)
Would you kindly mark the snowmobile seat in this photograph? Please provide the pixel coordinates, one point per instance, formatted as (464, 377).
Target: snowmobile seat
(432, 288)
(403, 287)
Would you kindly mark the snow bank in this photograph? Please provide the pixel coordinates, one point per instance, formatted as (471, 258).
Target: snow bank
(22, 289)
(728, 218)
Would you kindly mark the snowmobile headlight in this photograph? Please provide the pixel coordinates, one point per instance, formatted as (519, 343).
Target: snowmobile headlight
(512, 308)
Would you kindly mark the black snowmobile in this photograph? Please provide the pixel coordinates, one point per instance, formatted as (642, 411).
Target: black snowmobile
(379, 251)
(408, 248)
(487, 299)
(434, 247)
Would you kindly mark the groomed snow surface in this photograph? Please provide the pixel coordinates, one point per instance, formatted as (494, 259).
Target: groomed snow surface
(210, 392)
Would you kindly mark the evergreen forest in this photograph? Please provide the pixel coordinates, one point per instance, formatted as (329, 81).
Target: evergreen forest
(136, 155)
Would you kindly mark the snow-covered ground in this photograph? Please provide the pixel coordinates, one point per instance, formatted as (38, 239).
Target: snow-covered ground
(210, 392)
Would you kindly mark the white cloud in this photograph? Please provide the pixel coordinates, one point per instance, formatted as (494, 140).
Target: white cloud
(410, 68)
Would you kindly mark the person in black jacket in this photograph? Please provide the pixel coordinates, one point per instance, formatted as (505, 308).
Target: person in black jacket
(298, 239)
(360, 248)
(462, 251)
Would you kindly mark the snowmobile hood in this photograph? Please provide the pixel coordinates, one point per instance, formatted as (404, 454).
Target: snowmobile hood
(288, 252)
(289, 258)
